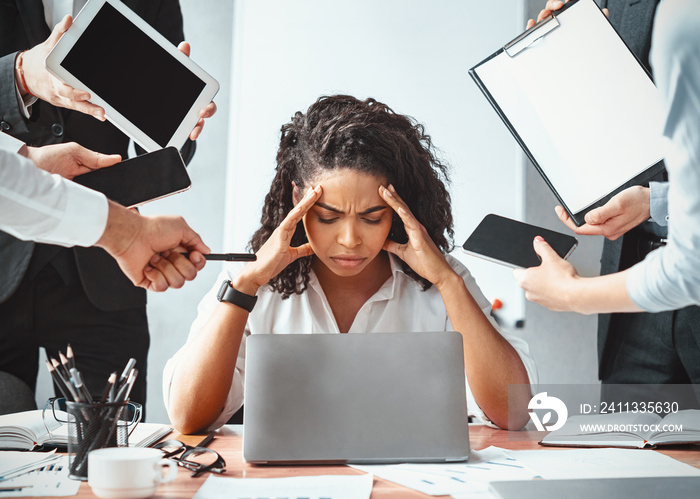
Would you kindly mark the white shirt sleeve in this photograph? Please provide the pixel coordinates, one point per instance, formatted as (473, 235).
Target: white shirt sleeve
(9, 143)
(669, 277)
(38, 206)
(658, 202)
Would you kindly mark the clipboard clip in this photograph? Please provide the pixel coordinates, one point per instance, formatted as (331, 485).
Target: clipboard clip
(538, 31)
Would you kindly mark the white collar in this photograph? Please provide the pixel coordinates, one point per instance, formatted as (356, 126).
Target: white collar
(386, 292)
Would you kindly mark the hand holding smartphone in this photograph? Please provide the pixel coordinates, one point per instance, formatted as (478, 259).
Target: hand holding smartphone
(142, 179)
(509, 242)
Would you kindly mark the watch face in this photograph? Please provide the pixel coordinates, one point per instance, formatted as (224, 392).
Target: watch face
(222, 289)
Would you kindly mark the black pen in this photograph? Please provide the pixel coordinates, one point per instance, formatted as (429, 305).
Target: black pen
(206, 440)
(125, 389)
(228, 257)
(125, 373)
(80, 386)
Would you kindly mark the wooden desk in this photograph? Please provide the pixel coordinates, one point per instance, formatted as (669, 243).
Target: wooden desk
(229, 439)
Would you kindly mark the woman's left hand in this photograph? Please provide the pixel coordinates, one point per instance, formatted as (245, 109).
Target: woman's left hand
(420, 252)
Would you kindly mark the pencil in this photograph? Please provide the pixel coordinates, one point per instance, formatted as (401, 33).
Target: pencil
(108, 388)
(57, 380)
(70, 356)
(66, 381)
(64, 363)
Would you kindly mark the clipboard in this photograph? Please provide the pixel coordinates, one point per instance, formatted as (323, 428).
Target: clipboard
(580, 104)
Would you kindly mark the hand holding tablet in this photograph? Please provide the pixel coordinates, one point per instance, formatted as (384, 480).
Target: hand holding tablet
(33, 79)
(208, 111)
(150, 90)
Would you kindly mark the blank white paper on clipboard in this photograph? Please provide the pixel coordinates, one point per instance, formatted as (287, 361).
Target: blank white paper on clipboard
(579, 103)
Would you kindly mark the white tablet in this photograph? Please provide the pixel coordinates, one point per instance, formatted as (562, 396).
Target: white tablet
(148, 88)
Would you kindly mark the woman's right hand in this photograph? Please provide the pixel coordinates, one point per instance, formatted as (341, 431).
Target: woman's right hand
(276, 254)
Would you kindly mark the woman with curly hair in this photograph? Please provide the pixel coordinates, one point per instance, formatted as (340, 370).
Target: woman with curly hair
(354, 238)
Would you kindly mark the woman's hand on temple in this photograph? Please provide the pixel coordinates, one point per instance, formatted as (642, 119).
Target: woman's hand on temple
(420, 252)
(277, 253)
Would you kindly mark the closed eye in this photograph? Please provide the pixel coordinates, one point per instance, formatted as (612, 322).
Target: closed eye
(327, 220)
(373, 221)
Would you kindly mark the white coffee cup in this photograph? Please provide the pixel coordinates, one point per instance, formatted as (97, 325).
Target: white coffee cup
(128, 472)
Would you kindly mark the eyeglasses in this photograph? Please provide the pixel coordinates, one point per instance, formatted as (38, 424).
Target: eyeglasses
(196, 459)
(56, 410)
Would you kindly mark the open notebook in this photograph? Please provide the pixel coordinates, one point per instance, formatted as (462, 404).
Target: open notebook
(28, 430)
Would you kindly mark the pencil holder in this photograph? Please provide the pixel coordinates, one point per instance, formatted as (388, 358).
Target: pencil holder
(96, 426)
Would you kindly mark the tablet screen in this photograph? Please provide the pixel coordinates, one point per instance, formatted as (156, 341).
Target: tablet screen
(134, 74)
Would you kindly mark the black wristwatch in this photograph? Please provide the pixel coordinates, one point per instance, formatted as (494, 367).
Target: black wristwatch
(228, 294)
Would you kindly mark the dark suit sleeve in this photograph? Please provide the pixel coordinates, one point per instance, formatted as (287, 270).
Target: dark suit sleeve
(10, 113)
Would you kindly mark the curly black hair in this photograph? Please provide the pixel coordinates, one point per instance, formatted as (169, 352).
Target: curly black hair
(342, 132)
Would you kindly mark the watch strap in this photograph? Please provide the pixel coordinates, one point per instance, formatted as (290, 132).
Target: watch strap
(231, 295)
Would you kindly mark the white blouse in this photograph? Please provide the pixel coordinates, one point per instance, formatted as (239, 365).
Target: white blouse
(398, 306)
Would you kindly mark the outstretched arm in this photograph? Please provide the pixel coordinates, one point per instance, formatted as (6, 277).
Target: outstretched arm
(148, 249)
(555, 284)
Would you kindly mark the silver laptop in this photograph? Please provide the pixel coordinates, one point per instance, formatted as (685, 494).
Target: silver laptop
(355, 398)
(683, 487)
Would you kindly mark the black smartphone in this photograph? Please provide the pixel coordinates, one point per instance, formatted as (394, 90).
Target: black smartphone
(141, 179)
(509, 242)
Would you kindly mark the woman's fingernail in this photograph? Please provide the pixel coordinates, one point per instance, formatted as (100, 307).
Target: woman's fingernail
(391, 188)
(539, 239)
(155, 259)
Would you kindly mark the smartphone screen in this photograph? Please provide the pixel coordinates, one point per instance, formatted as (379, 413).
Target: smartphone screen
(509, 242)
(139, 180)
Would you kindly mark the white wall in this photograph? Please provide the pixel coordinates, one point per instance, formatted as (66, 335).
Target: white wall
(410, 54)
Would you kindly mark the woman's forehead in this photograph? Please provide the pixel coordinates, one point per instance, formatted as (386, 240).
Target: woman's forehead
(344, 189)
(347, 177)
